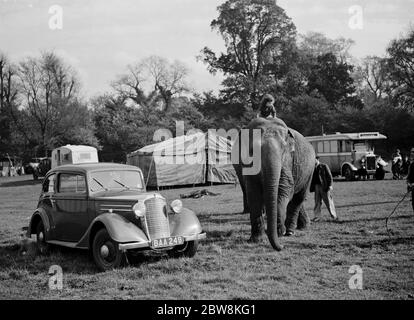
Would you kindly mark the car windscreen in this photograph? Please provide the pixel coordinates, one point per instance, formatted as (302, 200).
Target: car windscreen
(115, 180)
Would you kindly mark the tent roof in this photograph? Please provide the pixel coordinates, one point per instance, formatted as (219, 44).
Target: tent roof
(187, 145)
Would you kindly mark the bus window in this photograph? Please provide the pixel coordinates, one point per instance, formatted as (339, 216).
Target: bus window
(348, 146)
(326, 148)
(334, 146)
(320, 147)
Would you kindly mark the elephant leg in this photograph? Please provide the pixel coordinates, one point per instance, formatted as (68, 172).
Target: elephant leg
(282, 209)
(245, 203)
(303, 219)
(242, 182)
(285, 191)
(296, 215)
(255, 202)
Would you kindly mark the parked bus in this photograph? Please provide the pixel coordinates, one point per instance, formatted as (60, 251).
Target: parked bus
(350, 155)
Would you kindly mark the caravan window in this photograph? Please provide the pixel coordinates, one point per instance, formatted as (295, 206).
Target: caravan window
(334, 146)
(85, 156)
(320, 147)
(345, 146)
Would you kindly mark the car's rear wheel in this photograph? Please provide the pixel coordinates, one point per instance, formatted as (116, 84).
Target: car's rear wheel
(42, 245)
(187, 249)
(105, 251)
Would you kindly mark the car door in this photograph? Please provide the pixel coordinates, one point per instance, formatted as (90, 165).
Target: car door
(71, 203)
(47, 201)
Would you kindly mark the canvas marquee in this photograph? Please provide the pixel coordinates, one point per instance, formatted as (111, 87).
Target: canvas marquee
(192, 159)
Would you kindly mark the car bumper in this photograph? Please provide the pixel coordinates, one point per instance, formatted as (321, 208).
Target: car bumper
(147, 244)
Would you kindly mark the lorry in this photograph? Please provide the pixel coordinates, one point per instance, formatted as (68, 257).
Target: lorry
(351, 155)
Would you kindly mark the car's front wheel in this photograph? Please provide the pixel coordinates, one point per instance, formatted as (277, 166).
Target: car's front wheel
(188, 250)
(105, 251)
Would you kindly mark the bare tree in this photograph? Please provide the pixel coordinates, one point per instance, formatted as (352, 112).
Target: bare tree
(317, 44)
(168, 80)
(374, 75)
(8, 95)
(49, 96)
(129, 85)
(8, 91)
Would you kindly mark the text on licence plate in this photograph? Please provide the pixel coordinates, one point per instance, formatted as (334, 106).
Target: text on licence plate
(167, 242)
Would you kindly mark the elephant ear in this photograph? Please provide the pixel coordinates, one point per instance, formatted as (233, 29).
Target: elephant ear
(291, 141)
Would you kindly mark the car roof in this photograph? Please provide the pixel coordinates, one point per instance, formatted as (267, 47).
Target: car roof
(86, 167)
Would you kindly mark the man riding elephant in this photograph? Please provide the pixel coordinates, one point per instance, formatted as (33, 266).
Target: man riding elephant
(286, 163)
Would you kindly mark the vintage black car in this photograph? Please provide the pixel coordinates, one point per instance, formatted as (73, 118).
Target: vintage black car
(104, 207)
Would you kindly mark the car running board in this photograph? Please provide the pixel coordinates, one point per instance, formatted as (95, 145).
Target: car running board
(73, 245)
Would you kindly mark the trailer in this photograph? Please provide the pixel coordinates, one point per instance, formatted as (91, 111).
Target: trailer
(74, 154)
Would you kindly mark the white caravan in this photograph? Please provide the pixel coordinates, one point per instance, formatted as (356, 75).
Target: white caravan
(71, 154)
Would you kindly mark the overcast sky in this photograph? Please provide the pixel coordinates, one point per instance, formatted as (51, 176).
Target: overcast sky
(100, 37)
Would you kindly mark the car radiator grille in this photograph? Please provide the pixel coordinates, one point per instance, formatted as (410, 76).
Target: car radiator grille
(157, 218)
(370, 163)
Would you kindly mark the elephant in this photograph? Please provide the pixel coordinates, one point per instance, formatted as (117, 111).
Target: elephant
(280, 184)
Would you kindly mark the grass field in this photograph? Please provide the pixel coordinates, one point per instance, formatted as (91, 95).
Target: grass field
(314, 264)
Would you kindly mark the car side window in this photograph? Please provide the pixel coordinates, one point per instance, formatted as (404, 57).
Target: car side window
(49, 184)
(71, 183)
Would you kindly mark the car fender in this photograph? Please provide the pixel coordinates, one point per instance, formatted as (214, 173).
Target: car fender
(40, 213)
(184, 223)
(119, 228)
(349, 164)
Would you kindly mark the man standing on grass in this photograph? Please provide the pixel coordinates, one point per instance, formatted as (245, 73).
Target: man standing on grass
(322, 186)
(410, 177)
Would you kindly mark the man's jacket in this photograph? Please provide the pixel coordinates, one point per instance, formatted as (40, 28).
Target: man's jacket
(410, 176)
(325, 177)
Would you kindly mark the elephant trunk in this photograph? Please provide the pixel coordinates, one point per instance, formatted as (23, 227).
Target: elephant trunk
(271, 170)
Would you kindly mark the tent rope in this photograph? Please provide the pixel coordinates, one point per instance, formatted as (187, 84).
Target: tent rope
(393, 211)
(149, 172)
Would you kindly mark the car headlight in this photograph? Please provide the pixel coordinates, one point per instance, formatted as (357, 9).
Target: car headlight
(177, 206)
(139, 209)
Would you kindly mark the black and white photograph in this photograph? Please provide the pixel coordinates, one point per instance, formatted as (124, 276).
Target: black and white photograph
(190, 150)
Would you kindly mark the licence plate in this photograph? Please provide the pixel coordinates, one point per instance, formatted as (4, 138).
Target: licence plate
(167, 242)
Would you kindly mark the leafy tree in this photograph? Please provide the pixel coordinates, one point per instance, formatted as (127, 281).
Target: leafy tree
(333, 80)
(118, 128)
(309, 115)
(257, 34)
(401, 68)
